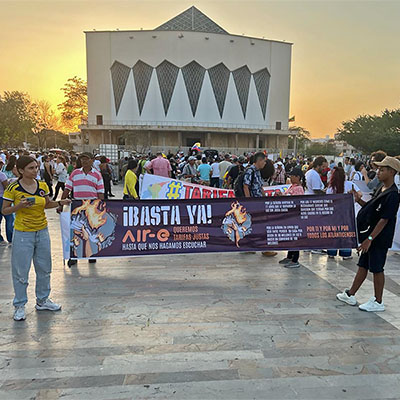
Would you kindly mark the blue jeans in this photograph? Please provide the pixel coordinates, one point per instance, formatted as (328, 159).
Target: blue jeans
(9, 223)
(342, 252)
(28, 246)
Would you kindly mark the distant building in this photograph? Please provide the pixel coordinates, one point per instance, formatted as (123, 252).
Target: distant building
(75, 138)
(341, 147)
(344, 148)
(184, 82)
(326, 139)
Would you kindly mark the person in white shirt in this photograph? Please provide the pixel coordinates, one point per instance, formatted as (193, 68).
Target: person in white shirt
(352, 169)
(61, 174)
(97, 162)
(214, 181)
(347, 167)
(314, 184)
(358, 176)
(41, 166)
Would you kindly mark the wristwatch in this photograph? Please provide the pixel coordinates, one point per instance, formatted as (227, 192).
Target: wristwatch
(370, 238)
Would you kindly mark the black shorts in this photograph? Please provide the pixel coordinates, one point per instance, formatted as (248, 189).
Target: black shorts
(374, 260)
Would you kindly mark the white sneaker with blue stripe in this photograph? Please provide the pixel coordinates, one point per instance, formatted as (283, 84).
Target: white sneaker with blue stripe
(48, 305)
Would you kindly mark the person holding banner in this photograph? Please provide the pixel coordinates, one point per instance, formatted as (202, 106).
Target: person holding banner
(190, 170)
(376, 222)
(339, 184)
(85, 183)
(27, 198)
(296, 189)
(253, 184)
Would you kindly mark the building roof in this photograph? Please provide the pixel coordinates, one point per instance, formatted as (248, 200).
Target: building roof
(191, 20)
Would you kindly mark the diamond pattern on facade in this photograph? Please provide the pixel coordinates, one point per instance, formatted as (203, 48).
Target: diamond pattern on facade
(191, 20)
(261, 80)
(193, 75)
(119, 76)
(167, 74)
(142, 75)
(219, 77)
(242, 77)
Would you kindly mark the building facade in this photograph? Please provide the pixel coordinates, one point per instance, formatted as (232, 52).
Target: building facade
(187, 81)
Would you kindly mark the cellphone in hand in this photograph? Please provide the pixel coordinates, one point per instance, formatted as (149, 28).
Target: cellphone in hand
(31, 200)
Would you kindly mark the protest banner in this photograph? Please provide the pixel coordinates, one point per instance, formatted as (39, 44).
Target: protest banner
(118, 228)
(277, 190)
(161, 188)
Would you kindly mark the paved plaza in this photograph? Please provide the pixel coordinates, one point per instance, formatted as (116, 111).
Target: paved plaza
(215, 326)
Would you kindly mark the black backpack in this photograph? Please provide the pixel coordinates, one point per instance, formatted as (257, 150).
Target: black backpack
(238, 184)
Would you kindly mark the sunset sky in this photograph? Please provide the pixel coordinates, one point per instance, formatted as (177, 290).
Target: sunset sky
(346, 54)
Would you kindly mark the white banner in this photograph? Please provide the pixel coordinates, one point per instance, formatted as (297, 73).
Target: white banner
(159, 187)
(65, 218)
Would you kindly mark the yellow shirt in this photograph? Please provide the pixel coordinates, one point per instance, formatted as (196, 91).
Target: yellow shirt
(130, 184)
(32, 218)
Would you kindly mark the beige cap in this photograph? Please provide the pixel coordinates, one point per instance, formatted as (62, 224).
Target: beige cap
(388, 161)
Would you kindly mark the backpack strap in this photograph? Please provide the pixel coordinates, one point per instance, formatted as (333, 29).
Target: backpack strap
(393, 188)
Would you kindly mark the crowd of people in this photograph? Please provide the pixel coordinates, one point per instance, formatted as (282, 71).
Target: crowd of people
(27, 189)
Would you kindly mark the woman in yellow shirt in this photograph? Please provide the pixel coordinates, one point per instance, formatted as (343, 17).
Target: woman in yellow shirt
(130, 184)
(27, 198)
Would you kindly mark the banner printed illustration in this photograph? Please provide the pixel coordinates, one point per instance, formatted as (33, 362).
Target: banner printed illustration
(117, 228)
(92, 228)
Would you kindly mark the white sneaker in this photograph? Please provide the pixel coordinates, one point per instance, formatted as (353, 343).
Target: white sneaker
(348, 258)
(372, 305)
(350, 300)
(19, 313)
(48, 305)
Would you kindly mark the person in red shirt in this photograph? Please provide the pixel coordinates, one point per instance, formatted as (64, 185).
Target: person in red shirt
(160, 166)
(324, 176)
(295, 189)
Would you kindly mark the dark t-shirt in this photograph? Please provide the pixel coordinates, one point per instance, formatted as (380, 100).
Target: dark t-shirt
(234, 172)
(386, 208)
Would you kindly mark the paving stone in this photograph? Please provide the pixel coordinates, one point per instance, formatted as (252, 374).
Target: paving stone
(223, 326)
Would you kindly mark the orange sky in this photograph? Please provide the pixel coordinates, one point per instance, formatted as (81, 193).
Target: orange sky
(346, 57)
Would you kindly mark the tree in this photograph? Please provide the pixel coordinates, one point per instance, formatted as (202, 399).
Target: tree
(316, 149)
(369, 133)
(74, 108)
(302, 138)
(45, 121)
(15, 119)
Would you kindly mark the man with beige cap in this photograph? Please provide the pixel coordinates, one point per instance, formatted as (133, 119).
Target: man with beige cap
(376, 222)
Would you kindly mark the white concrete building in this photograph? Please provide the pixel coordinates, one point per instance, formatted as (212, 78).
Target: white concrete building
(187, 81)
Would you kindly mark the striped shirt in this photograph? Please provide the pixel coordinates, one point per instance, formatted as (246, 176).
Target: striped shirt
(85, 186)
